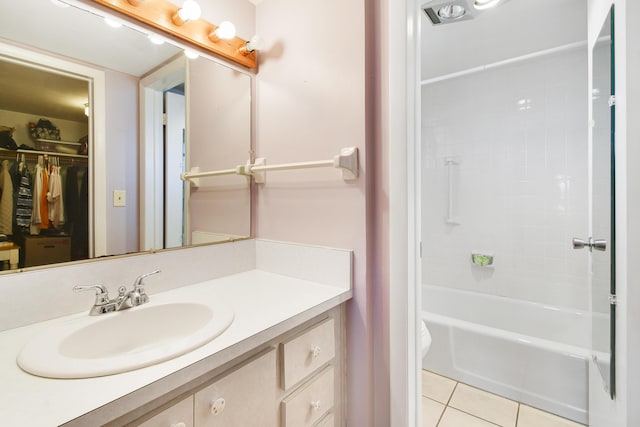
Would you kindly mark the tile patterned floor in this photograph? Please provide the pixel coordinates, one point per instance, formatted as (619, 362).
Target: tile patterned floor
(447, 403)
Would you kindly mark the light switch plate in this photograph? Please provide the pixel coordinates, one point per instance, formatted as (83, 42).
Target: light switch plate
(119, 198)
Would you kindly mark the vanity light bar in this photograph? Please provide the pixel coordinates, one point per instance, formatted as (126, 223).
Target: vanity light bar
(347, 161)
(159, 14)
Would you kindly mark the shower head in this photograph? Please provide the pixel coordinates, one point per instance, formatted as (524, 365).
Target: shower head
(448, 11)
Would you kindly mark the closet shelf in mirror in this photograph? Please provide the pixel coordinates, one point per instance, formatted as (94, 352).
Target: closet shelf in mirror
(58, 146)
(5, 153)
(54, 141)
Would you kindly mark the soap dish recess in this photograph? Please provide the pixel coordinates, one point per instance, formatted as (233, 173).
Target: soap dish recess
(482, 259)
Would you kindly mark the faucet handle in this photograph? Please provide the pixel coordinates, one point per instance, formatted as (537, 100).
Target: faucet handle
(138, 294)
(137, 284)
(102, 295)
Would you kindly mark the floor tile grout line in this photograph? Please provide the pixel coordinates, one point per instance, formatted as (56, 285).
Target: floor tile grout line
(441, 415)
(455, 386)
(475, 416)
(479, 417)
(447, 405)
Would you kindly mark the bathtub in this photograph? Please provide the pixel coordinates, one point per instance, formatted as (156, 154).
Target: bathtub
(534, 353)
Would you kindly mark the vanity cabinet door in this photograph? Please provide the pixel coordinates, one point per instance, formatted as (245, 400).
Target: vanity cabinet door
(178, 415)
(245, 397)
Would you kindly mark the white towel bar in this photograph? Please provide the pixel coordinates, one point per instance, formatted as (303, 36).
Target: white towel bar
(190, 175)
(347, 160)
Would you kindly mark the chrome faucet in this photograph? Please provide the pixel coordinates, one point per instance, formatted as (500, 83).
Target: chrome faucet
(136, 296)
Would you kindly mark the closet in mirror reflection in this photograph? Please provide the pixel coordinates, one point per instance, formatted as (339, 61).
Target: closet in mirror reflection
(44, 166)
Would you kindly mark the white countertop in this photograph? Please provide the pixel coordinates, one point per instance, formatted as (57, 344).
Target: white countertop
(265, 304)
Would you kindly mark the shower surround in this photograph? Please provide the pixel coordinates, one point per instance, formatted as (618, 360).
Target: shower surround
(505, 175)
(505, 149)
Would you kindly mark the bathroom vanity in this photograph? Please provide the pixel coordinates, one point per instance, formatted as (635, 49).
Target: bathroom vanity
(292, 381)
(279, 363)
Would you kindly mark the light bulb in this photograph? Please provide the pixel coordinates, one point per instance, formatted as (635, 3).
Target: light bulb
(189, 11)
(252, 45)
(256, 43)
(451, 12)
(191, 54)
(225, 31)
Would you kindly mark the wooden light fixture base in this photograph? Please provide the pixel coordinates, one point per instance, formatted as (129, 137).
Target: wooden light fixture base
(159, 14)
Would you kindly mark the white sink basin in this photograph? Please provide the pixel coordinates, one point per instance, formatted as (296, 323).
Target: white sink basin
(112, 343)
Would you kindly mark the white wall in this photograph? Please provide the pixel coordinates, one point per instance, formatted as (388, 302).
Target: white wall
(519, 135)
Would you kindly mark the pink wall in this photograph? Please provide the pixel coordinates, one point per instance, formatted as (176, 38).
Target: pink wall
(241, 12)
(219, 126)
(310, 104)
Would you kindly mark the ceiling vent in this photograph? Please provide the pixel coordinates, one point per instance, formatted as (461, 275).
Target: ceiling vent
(449, 11)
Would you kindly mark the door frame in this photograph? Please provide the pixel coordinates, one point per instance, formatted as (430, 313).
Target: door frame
(152, 88)
(401, 109)
(97, 133)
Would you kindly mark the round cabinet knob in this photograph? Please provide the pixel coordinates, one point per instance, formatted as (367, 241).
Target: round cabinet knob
(217, 406)
(315, 405)
(180, 424)
(315, 352)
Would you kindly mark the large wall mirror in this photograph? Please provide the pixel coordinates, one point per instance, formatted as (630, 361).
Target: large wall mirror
(603, 285)
(118, 117)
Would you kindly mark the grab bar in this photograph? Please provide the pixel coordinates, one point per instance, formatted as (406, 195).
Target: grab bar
(449, 163)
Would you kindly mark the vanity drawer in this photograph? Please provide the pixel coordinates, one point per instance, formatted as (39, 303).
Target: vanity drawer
(178, 415)
(307, 352)
(311, 402)
(245, 397)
